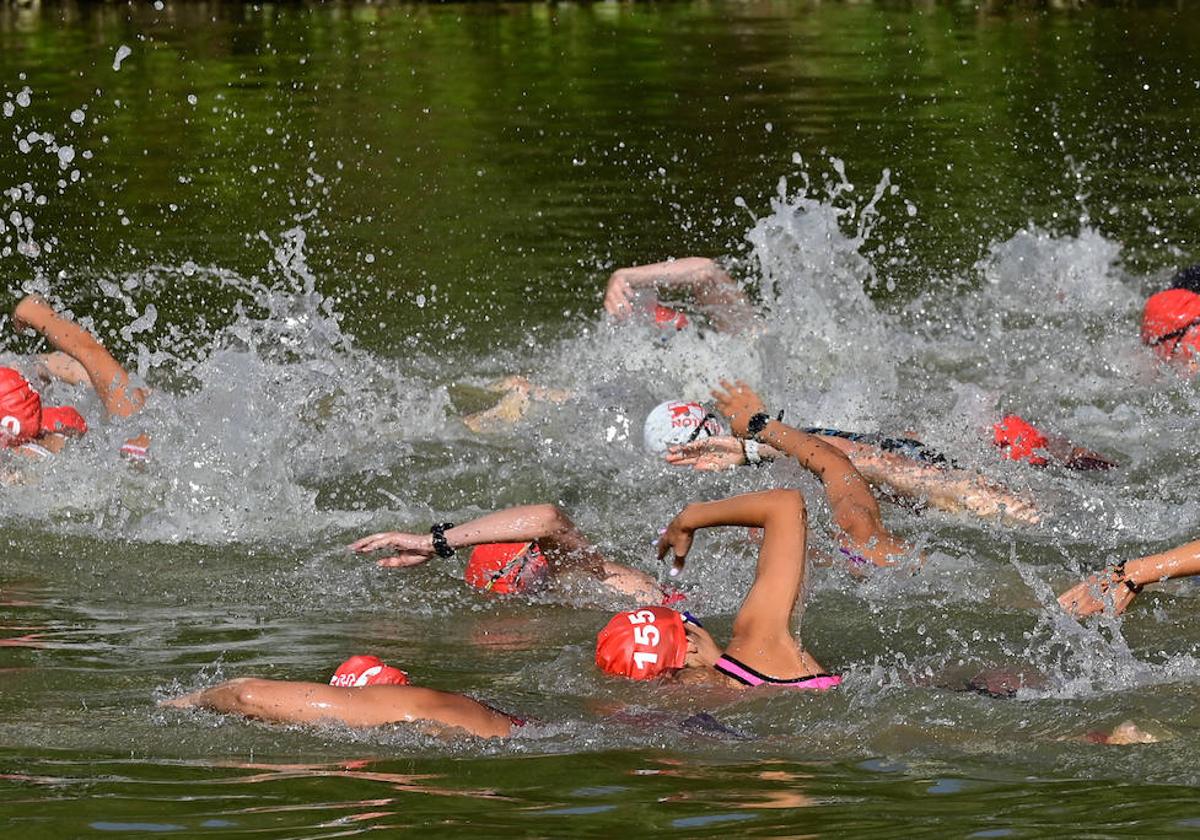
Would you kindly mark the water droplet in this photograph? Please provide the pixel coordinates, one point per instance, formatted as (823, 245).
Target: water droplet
(123, 52)
(77, 116)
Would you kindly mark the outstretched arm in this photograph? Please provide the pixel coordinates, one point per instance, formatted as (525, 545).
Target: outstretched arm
(110, 380)
(709, 284)
(854, 507)
(762, 628)
(563, 545)
(310, 702)
(1119, 584)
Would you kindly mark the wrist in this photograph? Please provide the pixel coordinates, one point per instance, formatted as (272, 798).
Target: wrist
(437, 538)
(756, 424)
(1138, 572)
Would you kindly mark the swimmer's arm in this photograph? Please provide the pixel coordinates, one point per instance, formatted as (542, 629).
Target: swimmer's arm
(562, 543)
(709, 284)
(854, 506)
(952, 491)
(108, 378)
(715, 453)
(781, 514)
(1091, 595)
(309, 702)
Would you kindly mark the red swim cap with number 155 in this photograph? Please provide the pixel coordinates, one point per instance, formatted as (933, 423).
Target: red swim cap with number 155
(643, 643)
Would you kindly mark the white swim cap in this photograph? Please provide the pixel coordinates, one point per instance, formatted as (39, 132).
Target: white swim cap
(677, 421)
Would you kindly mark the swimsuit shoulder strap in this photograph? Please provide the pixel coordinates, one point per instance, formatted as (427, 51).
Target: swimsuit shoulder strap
(744, 674)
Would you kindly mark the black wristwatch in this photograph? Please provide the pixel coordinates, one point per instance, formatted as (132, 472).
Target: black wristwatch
(440, 546)
(756, 425)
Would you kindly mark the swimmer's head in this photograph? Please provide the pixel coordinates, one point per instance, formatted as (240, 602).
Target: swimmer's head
(20, 408)
(1167, 321)
(505, 568)
(360, 670)
(667, 318)
(1019, 439)
(678, 421)
(643, 644)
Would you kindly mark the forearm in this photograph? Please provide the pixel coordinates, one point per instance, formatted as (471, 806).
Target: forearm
(109, 379)
(517, 524)
(952, 491)
(751, 510)
(688, 272)
(1182, 561)
(815, 455)
(560, 540)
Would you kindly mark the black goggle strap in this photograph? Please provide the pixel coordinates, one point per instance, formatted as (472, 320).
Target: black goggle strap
(515, 563)
(1175, 335)
(708, 415)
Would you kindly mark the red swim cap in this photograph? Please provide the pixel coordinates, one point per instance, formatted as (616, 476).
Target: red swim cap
(666, 317)
(360, 670)
(20, 408)
(505, 568)
(641, 644)
(63, 420)
(1169, 323)
(1020, 439)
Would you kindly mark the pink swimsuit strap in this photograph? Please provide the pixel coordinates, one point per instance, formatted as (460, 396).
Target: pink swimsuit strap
(746, 675)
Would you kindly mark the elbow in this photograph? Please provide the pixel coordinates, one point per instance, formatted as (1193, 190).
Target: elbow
(789, 504)
(549, 519)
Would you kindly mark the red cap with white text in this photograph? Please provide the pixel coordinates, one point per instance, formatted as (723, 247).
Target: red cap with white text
(360, 670)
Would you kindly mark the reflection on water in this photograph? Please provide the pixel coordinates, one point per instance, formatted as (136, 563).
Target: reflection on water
(320, 232)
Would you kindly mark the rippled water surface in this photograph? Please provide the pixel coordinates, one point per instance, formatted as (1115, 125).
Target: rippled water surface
(318, 231)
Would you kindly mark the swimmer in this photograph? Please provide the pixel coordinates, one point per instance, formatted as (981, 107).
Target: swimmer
(79, 357)
(902, 470)
(363, 692)
(713, 290)
(1115, 588)
(516, 550)
(658, 641)
(1171, 320)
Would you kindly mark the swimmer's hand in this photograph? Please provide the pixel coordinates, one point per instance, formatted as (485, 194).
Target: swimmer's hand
(677, 539)
(28, 311)
(711, 454)
(1096, 593)
(411, 549)
(739, 403)
(617, 297)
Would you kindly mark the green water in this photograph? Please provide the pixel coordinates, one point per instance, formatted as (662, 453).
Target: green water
(465, 177)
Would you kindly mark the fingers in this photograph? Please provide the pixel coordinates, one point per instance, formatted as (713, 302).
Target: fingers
(374, 542)
(401, 560)
(367, 543)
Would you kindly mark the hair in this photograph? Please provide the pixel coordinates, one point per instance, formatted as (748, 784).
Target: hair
(1187, 278)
